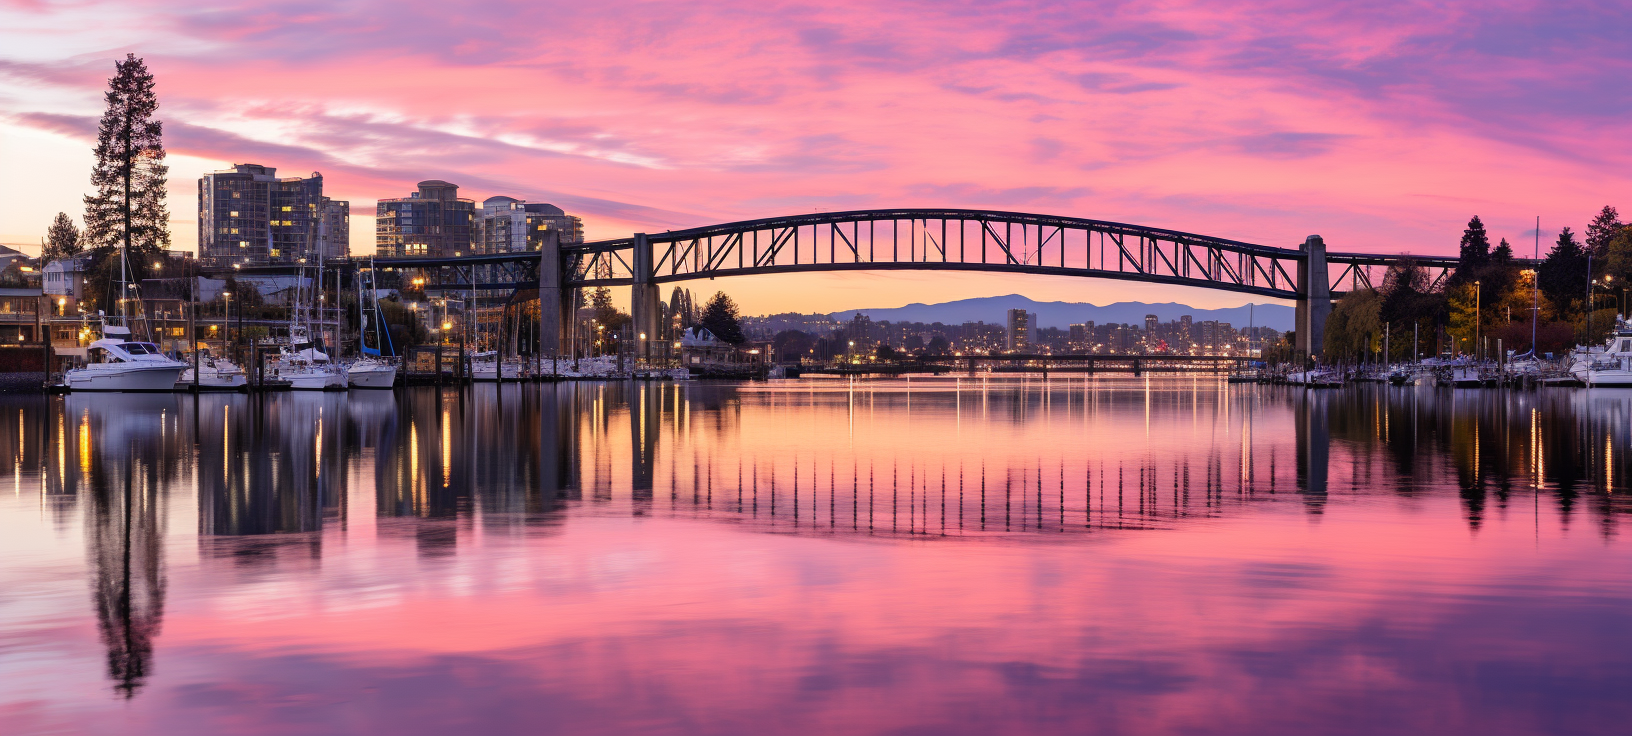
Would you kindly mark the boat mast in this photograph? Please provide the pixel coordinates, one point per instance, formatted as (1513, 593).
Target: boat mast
(1535, 291)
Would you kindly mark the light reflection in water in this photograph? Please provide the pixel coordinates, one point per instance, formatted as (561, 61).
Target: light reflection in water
(1227, 533)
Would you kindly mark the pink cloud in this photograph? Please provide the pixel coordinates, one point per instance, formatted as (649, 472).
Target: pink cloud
(1262, 124)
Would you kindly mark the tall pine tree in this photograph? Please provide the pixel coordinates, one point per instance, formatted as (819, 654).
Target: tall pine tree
(1474, 253)
(1475, 244)
(129, 175)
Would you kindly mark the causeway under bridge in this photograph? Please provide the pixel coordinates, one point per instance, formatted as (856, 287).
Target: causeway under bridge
(984, 241)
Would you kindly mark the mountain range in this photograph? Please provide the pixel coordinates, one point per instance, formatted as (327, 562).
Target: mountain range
(994, 309)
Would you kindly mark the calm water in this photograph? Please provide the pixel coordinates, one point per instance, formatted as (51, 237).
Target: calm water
(1113, 555)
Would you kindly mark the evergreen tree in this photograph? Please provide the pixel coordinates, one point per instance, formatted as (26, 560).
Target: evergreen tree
(1563, 273)
(61, 240)
(1600, 231)
(720, 317)
(1473, 255)
(1475, 243)
(129, 175)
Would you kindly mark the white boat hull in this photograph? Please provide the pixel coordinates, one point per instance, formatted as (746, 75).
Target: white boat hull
(124, 377)
(490, 371)
(1612, 378)
(313, 380)
(372, 377)
(211, 380)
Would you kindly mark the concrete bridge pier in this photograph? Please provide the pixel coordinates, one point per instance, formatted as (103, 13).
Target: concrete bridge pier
(552, 297)
(1314, 297)
(644, 300)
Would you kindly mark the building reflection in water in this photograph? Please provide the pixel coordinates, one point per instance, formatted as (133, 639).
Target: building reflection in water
(945, 457)
(271, 473)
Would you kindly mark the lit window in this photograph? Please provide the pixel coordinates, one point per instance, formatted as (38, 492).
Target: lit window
(287, 208)
(243, 243)
(233, 213)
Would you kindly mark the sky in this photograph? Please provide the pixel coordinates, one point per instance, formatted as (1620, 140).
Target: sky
(1381, 126)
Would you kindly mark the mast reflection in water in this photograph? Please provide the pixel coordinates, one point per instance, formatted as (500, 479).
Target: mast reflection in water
(1216, 556)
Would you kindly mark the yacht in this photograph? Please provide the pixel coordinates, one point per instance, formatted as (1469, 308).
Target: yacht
(214, 374)
(1610, 365)
(1463, 374)
(487, 366)
(119, 364)
(305, 367)
(371, 373)
(1316, 379)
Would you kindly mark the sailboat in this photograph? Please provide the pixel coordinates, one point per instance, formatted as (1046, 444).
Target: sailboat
(300, 361)
(373, 370)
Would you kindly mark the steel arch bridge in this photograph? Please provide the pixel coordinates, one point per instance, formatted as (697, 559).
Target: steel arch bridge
(986, 241)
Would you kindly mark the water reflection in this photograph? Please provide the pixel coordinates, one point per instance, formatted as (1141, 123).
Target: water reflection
(281, 481)
(129, 457)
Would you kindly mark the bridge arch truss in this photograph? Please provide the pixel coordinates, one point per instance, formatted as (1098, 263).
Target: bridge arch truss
(935, 239)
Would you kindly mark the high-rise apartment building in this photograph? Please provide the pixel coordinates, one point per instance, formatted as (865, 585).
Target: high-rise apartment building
(1019, 333)
(248, 215)
(433, 221)
(509, 225)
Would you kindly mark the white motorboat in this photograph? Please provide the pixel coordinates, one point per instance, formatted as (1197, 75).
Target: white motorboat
(1316, 379)
(303, 366)
(308, 369)
(371, 373)
(214, 374)
(1609, 365)
(487, 366)
(119, 364)
(1464, 375)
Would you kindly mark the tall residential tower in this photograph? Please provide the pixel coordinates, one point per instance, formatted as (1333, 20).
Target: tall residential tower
(433, 221)
(248, 215)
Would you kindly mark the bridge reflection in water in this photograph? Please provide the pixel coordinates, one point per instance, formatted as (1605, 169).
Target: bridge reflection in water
(276, 479)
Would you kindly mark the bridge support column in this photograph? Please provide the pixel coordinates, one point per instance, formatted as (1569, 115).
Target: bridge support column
(644, 299)
(552, 298)
(1314, 297)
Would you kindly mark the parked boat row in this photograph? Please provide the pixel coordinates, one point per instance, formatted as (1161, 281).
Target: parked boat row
(1599, 366)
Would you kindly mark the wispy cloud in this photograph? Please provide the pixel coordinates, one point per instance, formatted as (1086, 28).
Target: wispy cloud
(656, 115)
